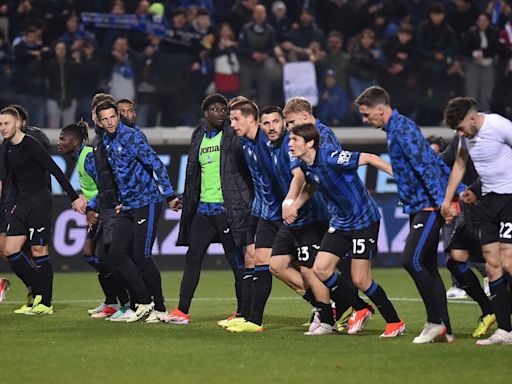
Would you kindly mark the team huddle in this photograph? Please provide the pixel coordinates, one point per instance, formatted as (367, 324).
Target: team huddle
(277, 189)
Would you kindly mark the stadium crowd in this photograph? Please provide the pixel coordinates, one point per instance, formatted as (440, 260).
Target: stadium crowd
(54, 55)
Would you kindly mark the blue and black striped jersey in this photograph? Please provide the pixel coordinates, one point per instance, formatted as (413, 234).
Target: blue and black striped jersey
(334, 174)
(267, 193)
(283, 162)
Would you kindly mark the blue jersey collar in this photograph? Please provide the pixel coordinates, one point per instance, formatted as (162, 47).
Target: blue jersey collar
(391, 118)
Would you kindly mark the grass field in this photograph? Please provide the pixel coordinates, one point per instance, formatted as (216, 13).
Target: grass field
(69, 347)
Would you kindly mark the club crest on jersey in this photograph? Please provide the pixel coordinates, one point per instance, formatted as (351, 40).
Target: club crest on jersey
(344, 157)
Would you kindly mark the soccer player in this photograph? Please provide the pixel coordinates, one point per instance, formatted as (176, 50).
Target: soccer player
(216, 202)
(488, 140)
(298, 241)
(462, 242)
(421, 177)
(354, 225)
(127, 112)
(297, 111)
(37, 134)
(72, 142)
(143, 184)
(244, 116)
(26, 166)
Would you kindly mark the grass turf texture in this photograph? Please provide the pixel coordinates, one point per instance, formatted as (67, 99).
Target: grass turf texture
(70, 347)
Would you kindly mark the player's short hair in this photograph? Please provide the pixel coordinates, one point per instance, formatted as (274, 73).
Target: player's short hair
(126, 101)
(79, 130)
(100, 98)
(456, 109)
(271, 109)
(10, 111)
(22, 112)
(104, 106)
(245, 106)
(213, 99)
(373, 96)
(298, 104)
(438, 140)
(308, 132)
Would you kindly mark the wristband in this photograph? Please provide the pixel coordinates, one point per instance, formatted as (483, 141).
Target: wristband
(288, 202)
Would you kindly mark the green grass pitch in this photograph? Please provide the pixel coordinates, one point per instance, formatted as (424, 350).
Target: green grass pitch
(70, 347)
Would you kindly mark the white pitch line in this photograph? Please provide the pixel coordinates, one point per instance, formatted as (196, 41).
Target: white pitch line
(284, 298)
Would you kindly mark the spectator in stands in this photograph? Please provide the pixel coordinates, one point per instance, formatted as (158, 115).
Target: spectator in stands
(343, 16)
(22, 17)
(179, 52)
(226, 64)
(61, 102)
(499, 11)
(307, 31)
(107, 36)
(75, 33)
(55, 13)
(280, 21)
(240, 13)
(122, 70)
(364, 61)
(384, 26)
(437, 46)
(333, 105)
(147, 97)
(30, 56)
(258, 66)
(398, 74)
(202, 69)
(88, 76)
(336, 59)
(480, 48)
(461, 16)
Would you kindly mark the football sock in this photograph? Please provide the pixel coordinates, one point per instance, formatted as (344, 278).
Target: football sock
(23, 267)
(310, 298)
(261, 288)
(469, 282)
(377, 295)
(500, 299)
(325, 313)
(342, 295)
(246, 292)
(44, 281)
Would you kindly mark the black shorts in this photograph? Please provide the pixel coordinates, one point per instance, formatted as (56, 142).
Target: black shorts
(251, 232)
(266, 233)
(358, 244)
(496, 212)
(300, 243)
(459, 235)
(32, 218)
